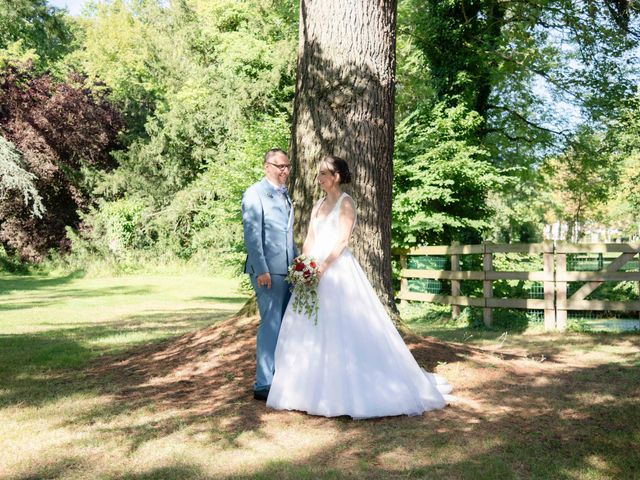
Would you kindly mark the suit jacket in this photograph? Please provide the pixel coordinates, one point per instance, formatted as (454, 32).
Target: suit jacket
(268, 230)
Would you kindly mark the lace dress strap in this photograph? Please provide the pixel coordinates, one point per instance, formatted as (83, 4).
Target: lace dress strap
(355, 208)
(339, 202)
(342, 197)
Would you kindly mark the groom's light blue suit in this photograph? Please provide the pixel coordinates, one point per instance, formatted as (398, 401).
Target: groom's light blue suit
(267, 217)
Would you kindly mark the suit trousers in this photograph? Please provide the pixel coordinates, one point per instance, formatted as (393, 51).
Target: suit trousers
(272, 302)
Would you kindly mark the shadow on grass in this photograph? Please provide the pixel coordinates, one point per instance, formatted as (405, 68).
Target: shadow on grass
(64, 467)
(523, 419)
(181, 472)
(36, 282)
(41, 291)
(60, 468)
(535, 341)
(39, 368)
(214, 299)
(583, 424)
(202, 374)
(183, 319)
(74, 294)
(206, 377)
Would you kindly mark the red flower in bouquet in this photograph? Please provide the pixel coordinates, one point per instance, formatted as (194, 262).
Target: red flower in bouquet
(303, 277)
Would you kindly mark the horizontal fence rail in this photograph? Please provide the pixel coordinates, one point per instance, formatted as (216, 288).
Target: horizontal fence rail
(554, 277)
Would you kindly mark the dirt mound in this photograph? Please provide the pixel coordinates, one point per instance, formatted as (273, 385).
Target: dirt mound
(213, 369)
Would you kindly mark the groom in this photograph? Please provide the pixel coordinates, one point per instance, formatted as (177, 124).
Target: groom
(267, 218)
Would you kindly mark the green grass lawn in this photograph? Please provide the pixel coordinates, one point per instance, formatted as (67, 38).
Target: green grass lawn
(54, 322)
(530, 404)
(60, 323)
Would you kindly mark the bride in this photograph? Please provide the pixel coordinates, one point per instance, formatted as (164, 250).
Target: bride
(353, 361)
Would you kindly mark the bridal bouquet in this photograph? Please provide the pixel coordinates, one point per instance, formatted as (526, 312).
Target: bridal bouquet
(303, 277)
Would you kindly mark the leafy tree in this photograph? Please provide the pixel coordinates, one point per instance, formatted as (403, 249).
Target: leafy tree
(520, 208)
(442, 179)
(490, 54)
(623, 138)
(217, 68)
(513, 63)
(63, 132)
(15, 180)
(32, 25)
(120, 51)
(581, 179)
(212, 84)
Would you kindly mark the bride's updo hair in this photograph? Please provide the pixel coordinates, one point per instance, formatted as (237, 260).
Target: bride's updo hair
(338, 165)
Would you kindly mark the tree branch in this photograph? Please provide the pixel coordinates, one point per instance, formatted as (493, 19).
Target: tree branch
(523, 119)
(541, 73)
(513, 138)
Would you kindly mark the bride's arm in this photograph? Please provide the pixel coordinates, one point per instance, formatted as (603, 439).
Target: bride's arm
(347, 219)
(307, 246)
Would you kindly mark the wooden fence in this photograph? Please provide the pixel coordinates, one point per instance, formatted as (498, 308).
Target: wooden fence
(554, 277)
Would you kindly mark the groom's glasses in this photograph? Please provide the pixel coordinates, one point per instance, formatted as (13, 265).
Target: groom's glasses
(283, 167)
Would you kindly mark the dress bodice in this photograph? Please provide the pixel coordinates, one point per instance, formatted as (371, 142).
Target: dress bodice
(326, 230)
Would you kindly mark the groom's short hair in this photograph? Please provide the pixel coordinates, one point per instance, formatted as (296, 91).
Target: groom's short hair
(272, 153)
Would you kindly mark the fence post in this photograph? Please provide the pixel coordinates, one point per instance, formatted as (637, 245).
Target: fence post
(561, 292)
(404, 283)
(455, 284)
(487, 286)
(549, 287)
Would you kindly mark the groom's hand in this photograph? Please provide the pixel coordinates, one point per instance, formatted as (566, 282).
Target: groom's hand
(264, 280)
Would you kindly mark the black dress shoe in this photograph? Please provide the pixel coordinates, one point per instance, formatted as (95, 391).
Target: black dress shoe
(261, 395)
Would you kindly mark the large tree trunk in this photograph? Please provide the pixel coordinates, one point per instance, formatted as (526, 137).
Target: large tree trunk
(344, 106)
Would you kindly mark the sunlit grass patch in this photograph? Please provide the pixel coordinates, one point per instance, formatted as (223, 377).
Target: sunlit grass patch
(131, 338)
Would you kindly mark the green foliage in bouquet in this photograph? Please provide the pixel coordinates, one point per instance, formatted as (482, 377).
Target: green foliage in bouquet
(303, 277)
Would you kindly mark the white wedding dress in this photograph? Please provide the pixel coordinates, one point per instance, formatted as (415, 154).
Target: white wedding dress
(353, 361)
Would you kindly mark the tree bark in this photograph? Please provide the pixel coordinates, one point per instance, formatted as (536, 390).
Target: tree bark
(344, 106)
